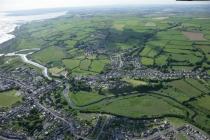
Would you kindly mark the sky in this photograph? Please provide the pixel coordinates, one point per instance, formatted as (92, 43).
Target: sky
(10, 5)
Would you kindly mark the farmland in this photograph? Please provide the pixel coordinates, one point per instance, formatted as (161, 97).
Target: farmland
(173, 48)
(135, 107)
(83, 98)
(145, 66)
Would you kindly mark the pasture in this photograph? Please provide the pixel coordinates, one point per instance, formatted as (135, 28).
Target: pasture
(147, 61)
(55, 71)
(49, 54)
(71, 63)
(186, 88)
(8, 98)
(203, 103)
(98, 65)
(82, 97)
(137, 107)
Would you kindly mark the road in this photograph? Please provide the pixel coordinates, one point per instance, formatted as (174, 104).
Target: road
(102, 128)
(54, 113)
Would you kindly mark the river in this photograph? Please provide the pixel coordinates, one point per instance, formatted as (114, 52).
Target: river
(26, 60)
(8, 24)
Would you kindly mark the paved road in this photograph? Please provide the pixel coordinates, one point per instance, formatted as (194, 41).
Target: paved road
(54, 113)
(102, 128)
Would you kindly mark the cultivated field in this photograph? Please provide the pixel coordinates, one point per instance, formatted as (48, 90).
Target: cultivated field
(83, 46)
(194, 36)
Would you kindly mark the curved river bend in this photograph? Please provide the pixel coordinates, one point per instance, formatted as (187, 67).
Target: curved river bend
(26, 60)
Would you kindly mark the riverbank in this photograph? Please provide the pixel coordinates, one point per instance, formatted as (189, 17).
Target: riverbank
(26, 60)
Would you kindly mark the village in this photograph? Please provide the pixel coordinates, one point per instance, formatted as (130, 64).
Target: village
(57, 123)
(115, 74)
(32, 87)
(118, 69)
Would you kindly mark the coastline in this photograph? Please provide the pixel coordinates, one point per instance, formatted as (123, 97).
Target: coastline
(10, 25)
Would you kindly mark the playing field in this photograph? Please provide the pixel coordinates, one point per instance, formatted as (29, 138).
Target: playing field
(9, 98)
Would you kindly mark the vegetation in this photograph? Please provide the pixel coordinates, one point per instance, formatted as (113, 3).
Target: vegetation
(83, 97)
(138, 106)
(9, 98)
(83, 46)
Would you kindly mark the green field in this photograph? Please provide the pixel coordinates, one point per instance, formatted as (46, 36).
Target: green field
(139, 106)
(83, 97)
(49, 55)
(161, 60)
(176, 94)
(147, 61)
(85, 64)
(8, 98)
(98, 65)
(82, 45)
(135, 83)
(203, 103)
(56, 70)
(71, 63)
(185, 88)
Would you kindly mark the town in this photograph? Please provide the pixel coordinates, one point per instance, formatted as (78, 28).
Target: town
(108, 74)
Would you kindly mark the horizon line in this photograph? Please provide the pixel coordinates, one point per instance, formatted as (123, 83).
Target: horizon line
(180, 3)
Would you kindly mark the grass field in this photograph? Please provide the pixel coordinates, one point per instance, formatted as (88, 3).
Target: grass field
(185, 88)
(176, 94)
(181, 136)
(158, 42)
(188, 58)
(180, 47)
(139, 106)
(206, 50)
(134, 82)
(83, 44)
(9, 98)
(98, 65)
(201, 85)
(124, 46)
(85, 64)
(49, 54)
(56, 70)
(150, 24)
(77, 71)
(145, 51)
(182, 67)
(147, 61)
(119, 26)
(83, 98)
(203, 121)
(203, 103)
(71, 63)
(178, 51)
(161, 60)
